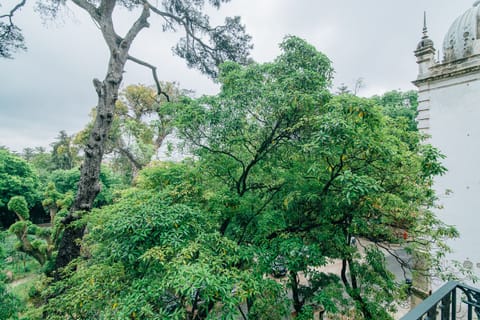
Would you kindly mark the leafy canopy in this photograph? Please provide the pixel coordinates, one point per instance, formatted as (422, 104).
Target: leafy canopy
(283, 173)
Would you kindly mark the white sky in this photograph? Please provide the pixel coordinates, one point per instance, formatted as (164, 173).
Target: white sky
(49, 87)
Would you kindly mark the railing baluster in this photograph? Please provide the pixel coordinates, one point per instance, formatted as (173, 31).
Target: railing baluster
(445, 308)
(454, 304)
(432, 313)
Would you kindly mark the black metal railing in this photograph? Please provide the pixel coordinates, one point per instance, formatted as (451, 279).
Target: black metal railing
(446, 302)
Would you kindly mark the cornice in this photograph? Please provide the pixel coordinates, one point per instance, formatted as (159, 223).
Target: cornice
(448, 70)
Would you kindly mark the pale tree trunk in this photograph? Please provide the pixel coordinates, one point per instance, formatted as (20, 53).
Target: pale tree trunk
(107, 91)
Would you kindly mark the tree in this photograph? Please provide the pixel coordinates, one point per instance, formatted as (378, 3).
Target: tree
(40, 160)
(16, 178)
(190, 242)
(40, 242)
(203, 47)
(247, 138)
(41, 247)
(299, 174)
(400, 105)
(243, 133)
(64, 152)
(66, 181)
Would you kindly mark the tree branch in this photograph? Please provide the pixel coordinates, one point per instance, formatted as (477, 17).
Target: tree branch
(216, 151)
(259, 211)
(163, 14)
(90, 8)
(138, 25)
(12, 12)
(154, 74)
(130, 157)
(188, 27)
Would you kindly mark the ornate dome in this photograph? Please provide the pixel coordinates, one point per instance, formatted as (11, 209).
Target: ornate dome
(460, 39)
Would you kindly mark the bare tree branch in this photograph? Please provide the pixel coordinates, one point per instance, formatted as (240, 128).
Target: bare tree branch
(12, 12)
(154, 74)
(90, 8)
(139, 24)
(11, 38)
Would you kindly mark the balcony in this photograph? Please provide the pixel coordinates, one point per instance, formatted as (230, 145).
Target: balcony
(453, 301)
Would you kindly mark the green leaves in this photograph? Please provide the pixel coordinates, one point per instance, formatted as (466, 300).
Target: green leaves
(282, 173)
(169, 261)
(16, 179)
(18, 204)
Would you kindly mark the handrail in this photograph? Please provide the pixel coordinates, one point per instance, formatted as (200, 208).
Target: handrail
(443, 303)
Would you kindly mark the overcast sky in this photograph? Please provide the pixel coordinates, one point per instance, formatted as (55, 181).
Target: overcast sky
(49, 87)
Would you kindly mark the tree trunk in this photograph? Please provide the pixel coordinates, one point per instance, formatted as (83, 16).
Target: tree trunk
(297, 301)
(89, 186)
(107, 91)
(53, 212)
(353, 290)
(26, 246)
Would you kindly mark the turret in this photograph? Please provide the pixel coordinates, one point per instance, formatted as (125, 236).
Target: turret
(425, 51)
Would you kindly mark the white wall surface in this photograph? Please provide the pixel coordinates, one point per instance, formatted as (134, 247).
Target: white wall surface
(454, 126)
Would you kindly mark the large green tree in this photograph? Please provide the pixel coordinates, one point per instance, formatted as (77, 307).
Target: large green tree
(303, 174)
(283, 173)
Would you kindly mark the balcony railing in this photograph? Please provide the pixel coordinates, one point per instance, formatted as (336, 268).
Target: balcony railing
(446, 303)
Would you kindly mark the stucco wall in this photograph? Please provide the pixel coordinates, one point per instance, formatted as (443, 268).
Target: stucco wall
(449, 111)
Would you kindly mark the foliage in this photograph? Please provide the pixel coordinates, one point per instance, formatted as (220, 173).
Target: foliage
(40, 160)
(17, 178)
(401, 106)
(33, 240)
(142, 122)
(283, 172)
(64, 153)
(301, 174)
(364, 176)
(66, 182)
(167, 262)
(8, 302)
(18, 204)
(41, 242)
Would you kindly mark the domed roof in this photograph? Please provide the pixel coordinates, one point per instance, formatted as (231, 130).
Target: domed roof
(459, 40)
(425, 42)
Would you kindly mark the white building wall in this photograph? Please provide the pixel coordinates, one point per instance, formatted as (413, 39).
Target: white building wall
(449, 111)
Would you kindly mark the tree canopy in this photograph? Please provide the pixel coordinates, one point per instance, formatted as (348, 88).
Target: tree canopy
(284, 175)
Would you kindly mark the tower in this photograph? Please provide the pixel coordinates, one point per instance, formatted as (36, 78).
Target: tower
(449, 112)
